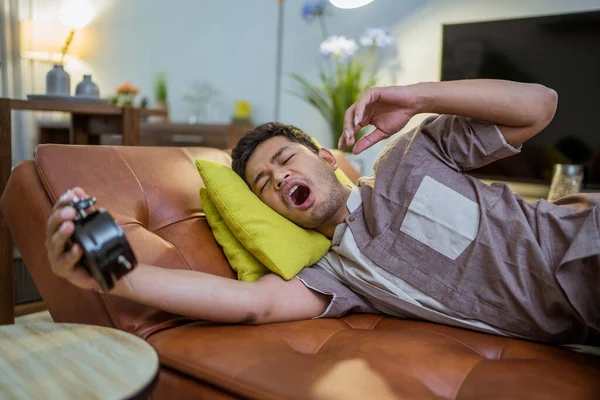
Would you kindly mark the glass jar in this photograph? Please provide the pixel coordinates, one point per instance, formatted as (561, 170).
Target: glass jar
(566, 180)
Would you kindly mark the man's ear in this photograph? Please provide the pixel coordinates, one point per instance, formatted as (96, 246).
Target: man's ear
(328, 157)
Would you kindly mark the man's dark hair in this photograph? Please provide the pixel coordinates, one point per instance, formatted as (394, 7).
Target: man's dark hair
(249, 142)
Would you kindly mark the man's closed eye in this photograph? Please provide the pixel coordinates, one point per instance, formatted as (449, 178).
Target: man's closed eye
(263, 186)
(268, 180)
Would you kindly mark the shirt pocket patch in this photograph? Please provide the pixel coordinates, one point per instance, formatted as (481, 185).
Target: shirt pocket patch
(441, 218)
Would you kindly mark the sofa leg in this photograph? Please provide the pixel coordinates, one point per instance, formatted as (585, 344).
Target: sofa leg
(7, 307)
(6, 244)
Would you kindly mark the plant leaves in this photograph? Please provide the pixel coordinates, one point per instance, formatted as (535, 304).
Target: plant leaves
(341, 82)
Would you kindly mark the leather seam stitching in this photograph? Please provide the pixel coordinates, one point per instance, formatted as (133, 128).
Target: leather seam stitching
(327, 339)
(139, 184)
(453, 339)
(377, 322)
(198, 214)
(462, 381)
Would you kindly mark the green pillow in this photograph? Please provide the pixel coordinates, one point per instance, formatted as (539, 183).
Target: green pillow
(280, 245)
(248, 268)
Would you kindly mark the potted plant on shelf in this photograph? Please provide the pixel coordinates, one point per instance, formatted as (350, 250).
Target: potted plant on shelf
(346, 70)
(125, 96)
(160, 94)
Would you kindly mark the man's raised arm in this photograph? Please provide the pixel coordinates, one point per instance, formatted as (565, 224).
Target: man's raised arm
(520, 110)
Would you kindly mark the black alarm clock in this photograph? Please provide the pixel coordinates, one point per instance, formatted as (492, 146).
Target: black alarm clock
(107, 254)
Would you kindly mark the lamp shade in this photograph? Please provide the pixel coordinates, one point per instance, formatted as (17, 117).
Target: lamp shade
(349, 3)
(76, 14)
(44, 39)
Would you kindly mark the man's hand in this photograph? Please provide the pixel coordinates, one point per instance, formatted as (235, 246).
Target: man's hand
(519, 110)
(59, 229)
(387, 108)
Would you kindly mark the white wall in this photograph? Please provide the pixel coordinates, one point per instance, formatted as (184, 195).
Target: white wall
(417, 28)
(227, 43)
(231, 43)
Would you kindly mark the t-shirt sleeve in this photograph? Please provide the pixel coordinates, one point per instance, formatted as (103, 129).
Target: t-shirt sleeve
(464, 143)
(342, 299)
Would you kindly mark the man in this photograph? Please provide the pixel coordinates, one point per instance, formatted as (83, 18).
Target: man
(421, 239)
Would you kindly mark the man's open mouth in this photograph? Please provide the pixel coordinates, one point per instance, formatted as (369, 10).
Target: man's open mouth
(299, 194)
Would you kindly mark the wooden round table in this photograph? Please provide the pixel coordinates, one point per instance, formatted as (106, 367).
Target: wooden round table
(73, 361)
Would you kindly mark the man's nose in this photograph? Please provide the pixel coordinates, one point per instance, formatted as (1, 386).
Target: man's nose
(281, 178)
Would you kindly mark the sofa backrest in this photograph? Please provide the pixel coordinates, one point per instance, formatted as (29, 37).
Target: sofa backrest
(152, 192)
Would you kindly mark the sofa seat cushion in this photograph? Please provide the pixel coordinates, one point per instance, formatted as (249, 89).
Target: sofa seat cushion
(418, 359)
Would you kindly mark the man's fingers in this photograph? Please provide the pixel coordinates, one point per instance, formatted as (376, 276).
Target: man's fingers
(360, 110)
(79, 191)
(67, 266)
(62, 212)
(58, 240)
(356, 117)
(348, 126)
(67, 197)
(341, 143)
(70, 269)
(67, 261)
(369, 140)
(57, 218)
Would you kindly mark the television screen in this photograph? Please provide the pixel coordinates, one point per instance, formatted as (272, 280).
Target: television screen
(559, 51)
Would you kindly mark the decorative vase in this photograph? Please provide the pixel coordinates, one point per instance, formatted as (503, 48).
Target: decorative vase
(58, 81)
(87, 88)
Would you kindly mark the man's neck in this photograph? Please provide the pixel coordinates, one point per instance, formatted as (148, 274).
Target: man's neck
(328, 228)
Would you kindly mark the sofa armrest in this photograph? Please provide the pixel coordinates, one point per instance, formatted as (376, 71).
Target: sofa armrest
(152, 192)
(26, 207)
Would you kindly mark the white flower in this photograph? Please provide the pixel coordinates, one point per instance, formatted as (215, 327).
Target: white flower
(338, 47)
(377, 37)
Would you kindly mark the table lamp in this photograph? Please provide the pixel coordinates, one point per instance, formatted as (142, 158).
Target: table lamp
(53, 40)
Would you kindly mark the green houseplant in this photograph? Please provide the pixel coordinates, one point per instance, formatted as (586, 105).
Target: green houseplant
(346, 70)
(160, 93)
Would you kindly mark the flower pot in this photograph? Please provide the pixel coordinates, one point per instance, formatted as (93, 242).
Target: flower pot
(160, 105)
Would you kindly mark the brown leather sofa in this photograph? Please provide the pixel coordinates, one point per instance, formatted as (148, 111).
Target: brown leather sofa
(153, 193)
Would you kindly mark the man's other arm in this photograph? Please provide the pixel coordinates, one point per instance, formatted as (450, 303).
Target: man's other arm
(205, 296)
